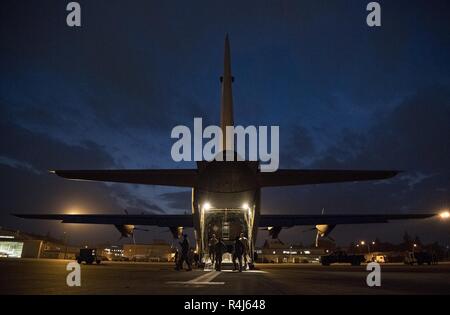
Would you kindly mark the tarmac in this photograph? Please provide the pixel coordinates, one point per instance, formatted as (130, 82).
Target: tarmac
(48, 276)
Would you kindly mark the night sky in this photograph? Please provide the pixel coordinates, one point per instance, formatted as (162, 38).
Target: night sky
(108, 94)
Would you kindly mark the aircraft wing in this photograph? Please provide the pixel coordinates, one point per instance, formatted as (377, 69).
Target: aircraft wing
(164, 177)
(166, 220)
(286, 177)
(334, 219)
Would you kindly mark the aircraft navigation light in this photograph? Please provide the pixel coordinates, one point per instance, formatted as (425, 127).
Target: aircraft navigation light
(444, 215)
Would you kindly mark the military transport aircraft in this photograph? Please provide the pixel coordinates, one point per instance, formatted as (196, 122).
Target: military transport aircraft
(225, 194)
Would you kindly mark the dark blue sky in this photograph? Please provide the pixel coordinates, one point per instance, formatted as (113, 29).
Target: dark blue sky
(107, 95)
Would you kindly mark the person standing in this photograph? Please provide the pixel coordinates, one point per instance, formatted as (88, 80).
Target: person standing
(176, 258)
(185, 254)
(246, 253)
(211, 248)
(238, 253)
(219, 249)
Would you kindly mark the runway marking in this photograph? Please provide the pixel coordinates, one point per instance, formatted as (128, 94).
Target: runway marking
(246, 271)
(206, 277)
(203, 279)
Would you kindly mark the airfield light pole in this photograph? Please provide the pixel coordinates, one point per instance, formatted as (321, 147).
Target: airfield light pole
(368, 246)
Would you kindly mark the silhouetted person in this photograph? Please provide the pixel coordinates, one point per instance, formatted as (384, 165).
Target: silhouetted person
(175, 258)
(211, 248)
(184, 254)
(196, 260)
(234, 257)
(239, 251)
(246, 253)
(219, 249)
(191, 256)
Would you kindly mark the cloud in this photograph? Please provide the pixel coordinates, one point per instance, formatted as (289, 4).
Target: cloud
(130, 202)
(114, 93)
(412, 137)
(44, 153)
(297, 148)
(178, 200)
(27, 187)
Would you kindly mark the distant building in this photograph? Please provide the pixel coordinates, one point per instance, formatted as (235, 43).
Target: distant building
(113, 252)
(275, 251)
(157, 251)
(17, 244)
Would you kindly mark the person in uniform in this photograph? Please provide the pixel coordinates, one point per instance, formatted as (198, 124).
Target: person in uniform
(184, 254)
(211, 248)
(219, 249)
(238, 253)
(176, 258)
(246, 253)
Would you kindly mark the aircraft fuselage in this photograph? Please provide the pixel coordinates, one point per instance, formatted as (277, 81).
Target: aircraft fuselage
(226, 202)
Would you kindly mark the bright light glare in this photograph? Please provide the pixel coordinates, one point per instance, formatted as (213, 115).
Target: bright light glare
(362, 242)
(206, 206)
(245, 206)
(74, 210)
(444, 215)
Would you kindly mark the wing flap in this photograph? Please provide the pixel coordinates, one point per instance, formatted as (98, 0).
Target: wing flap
(175, 220)
(304, 219)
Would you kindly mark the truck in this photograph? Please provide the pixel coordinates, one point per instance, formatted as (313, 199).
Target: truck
(419, 258)
(89, 255)
(342, 257)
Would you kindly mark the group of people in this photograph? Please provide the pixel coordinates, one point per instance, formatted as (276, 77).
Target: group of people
(217, 247)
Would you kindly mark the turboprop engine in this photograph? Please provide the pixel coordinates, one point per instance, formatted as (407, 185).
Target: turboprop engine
(323, 230)
(126, 230)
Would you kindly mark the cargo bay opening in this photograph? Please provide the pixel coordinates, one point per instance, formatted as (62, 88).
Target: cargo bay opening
(227, 224)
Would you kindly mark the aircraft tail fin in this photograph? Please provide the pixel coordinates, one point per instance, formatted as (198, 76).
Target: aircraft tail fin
(226, 110)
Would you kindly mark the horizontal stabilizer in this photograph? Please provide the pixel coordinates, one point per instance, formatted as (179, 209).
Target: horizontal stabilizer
(163, 177)
(285, 177)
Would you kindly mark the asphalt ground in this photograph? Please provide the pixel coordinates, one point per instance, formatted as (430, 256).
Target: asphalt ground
(46, 276)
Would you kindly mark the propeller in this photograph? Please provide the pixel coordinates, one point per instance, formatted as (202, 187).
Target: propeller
(128, 230)
(323, 230)
(318, 231)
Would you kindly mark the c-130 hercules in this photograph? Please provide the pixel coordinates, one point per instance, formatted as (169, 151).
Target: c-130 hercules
(225, 194)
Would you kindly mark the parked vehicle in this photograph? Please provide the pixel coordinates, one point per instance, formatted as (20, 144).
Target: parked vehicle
(381, 259)
(341, 257)
(419, 258)
(89, 255)
(140, 258)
